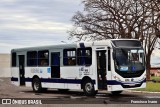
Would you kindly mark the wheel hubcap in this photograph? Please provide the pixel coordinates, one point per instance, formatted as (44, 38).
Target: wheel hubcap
(88, 87)
(36, 85)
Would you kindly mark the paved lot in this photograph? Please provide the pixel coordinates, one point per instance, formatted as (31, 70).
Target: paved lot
(7, 90)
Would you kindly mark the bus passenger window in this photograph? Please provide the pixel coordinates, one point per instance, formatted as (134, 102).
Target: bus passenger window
(43, 62)
(84, 56)
(32, 58)
(69, 56)
(43, 58)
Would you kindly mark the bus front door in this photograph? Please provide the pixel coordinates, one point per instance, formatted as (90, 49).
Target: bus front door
(21, 69)
(101, 69)
(55, 65)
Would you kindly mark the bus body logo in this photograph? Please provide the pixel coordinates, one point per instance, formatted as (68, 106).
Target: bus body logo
(35, 70)
(48, 70)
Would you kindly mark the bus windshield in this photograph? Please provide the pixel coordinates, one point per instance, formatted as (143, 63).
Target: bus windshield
(129, 62)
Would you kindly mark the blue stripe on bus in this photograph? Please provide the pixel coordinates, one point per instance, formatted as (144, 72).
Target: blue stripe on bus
(74, 81)
(114, 82)
(28, 79)
(50, 80)
(14, 79)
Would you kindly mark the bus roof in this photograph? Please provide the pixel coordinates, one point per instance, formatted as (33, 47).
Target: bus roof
(73, 45)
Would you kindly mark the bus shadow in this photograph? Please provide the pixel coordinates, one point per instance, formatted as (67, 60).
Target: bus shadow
(76, 93)
(81, 94)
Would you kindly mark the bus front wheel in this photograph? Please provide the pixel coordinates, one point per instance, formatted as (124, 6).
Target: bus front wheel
(36, 85)
(88, 88)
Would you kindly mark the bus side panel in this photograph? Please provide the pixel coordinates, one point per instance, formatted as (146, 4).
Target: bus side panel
(74, 86)
(70, 72)
(53, 85)
(61, 85)
(109, 77)
(40, 72)
(15, 76)
(74, 75)
(28, 77)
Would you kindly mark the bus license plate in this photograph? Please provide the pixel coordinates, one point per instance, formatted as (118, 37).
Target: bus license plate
(131, 84)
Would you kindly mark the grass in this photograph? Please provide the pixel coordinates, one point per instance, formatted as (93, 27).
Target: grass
(151, 87)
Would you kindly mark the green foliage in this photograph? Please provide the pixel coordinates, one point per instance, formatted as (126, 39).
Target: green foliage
(155, 78)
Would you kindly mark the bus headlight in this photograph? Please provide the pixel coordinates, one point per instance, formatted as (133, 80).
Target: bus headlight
(143, 78)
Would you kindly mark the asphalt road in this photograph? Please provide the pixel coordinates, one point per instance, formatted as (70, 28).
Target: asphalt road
(52, 96)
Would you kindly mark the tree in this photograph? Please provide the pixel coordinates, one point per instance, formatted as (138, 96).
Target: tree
(152, 31)
(109, 19)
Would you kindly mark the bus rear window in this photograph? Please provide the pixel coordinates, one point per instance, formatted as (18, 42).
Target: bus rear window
(14, 59)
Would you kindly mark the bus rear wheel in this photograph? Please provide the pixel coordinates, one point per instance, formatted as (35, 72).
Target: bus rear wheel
(36, 85)
(88, 88)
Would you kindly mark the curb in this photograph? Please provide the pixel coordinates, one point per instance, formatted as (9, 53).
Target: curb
(154, 81)
(142, 92)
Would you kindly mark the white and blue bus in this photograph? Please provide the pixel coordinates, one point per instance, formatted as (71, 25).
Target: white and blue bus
(113, 65)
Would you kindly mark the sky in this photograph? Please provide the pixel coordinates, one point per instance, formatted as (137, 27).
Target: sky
(27, 23)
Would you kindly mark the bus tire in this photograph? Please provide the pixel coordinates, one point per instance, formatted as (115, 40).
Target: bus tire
(88, 88)
(116, 92)
(36, 85)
